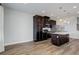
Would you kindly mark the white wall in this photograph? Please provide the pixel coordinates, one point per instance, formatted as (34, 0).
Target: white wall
(71, 28)
(1, 29)
(18, 26)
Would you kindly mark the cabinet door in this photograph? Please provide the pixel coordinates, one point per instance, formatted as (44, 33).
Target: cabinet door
(1, 30)
(37, 23)
(52, 23)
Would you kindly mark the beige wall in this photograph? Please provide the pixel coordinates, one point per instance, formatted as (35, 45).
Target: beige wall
(18, 26)
(1, 29)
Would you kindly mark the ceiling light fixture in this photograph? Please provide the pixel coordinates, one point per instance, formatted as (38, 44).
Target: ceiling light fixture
(78, 12)
(43, 11)
(68, 22)
(74, 6)
(51, 15)
(60, 20)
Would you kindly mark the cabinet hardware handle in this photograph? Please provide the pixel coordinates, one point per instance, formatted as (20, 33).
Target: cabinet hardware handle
(57, 36)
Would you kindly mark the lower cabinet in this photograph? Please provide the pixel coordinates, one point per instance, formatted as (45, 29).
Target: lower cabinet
(58, 39)
(41, 36)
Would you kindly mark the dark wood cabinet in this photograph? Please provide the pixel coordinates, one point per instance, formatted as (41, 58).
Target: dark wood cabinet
(59, 39)
(38, 23)
(46, 20)
(52, 23)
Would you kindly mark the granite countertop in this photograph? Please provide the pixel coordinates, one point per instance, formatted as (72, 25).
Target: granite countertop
(60, 33)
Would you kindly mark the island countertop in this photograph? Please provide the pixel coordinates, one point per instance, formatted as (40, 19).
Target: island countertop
(60, 33)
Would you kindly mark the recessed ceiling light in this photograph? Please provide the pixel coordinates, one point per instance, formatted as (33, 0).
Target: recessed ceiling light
(74, 6)
(78, 12)
(68, 22)
(60, 20)
(43, 11)
(51, 15)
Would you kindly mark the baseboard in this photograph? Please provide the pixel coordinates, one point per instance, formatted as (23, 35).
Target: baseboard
(12, 43)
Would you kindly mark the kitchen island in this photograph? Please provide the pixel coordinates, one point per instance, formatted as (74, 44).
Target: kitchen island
(59, 38)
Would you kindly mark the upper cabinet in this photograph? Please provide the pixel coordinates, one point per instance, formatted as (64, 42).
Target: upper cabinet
(52, 23)
(40, 21)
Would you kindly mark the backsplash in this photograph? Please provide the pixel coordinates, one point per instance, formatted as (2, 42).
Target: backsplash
(58, 28)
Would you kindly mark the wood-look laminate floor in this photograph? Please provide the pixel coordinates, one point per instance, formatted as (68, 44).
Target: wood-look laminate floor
(43, 48)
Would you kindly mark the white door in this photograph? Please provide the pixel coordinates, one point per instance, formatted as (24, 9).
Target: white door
(1, 29)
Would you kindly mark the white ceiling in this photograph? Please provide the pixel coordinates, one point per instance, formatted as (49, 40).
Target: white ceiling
(57, 10)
